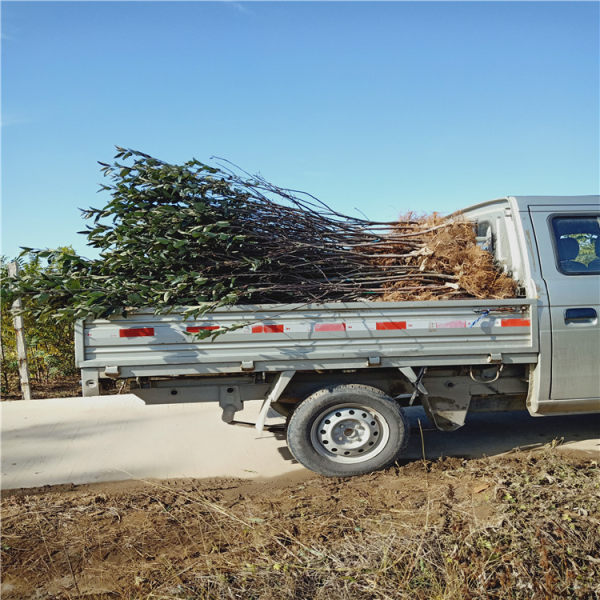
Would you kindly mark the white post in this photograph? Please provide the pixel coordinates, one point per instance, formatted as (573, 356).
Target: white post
(21, 347)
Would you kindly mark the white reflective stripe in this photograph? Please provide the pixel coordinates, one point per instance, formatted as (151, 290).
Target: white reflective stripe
(449, 325)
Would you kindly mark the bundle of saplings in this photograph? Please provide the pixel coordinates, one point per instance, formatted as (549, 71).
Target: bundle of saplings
(204, 236)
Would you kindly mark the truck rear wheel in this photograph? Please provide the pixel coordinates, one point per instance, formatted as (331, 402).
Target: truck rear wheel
(347, 430)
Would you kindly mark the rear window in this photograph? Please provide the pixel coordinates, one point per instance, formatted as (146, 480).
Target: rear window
(577, 244)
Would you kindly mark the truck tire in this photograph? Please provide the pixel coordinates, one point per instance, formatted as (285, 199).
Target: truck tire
(346, 430)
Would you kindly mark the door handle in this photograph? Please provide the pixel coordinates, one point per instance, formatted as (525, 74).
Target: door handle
(580, 315)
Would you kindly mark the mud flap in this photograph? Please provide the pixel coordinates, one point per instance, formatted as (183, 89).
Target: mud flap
(448, 411)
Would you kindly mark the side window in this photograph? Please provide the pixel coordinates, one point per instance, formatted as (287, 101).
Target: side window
(577, 244)
(485, 236)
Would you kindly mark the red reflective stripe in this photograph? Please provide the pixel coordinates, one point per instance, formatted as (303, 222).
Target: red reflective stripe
(137, 332)
(330, 327)
(516, 323)
(267, 329)
(202, 328)
(391, 325)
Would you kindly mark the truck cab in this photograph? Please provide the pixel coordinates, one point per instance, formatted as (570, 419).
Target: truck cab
(551, 245)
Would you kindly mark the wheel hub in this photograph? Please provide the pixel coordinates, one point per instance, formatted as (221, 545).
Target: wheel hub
(349, 433)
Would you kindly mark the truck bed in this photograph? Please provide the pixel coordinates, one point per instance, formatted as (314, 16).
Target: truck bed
(311, 337)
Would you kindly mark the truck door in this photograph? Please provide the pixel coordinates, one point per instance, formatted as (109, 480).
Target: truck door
(568, 240)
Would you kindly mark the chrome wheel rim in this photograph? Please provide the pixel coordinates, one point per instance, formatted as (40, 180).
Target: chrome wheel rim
(349, 433)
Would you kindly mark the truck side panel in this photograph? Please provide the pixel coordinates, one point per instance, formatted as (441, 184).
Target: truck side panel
(305, 337)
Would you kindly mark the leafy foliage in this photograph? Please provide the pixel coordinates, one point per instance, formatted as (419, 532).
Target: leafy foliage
(171, 235)
(157, 215)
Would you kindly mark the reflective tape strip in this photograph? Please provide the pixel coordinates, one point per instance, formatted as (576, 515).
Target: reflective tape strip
(449, 325)
(137, 332)
(386, 325)
(515, 323)
(267, 329)
(330, 326)
(351, 326)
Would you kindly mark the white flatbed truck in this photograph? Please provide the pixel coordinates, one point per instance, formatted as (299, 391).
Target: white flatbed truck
(343, 372)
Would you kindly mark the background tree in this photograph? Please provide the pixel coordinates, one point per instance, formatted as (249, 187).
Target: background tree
(49, 342)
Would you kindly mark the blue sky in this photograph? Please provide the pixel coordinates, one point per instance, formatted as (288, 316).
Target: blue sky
(380, 107)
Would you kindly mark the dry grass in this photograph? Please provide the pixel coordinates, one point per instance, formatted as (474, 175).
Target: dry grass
(525, 526)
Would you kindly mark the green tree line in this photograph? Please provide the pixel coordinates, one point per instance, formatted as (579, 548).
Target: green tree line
(50, 350)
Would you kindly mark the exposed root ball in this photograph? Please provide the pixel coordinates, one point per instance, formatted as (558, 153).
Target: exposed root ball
(448, 264)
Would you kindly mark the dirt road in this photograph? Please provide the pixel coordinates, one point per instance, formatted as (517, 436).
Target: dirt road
(113, 438)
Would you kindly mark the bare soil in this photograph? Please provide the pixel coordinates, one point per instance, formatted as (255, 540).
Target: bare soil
(68, 386)
(519, 526)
